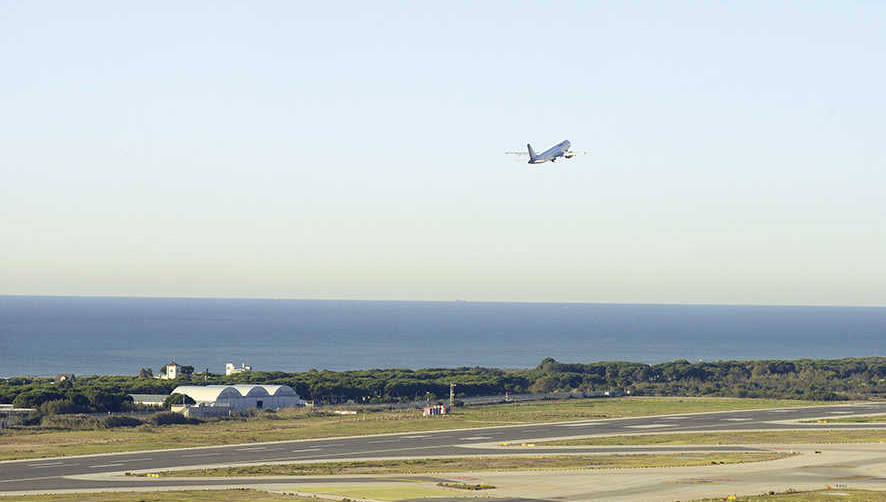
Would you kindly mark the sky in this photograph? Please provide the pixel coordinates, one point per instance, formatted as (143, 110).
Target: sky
(355, 150)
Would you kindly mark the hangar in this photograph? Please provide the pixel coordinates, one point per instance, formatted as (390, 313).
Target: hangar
(241, 397)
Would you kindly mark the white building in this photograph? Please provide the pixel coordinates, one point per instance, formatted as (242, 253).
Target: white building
(230, 369)
(241, 397)
(171, 371)
(155, 400)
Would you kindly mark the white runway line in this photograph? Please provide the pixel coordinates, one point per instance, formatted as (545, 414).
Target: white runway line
(674, 418)
(413, 437)
(307, 449)
(737, 419)
(385, 441)
(254, 448)
(139, 459)
(475, 438)
(106, 465)
(46, 464)
(201, 455)
(580, 424)
(841, 412)
(15, 480)
(649, 426)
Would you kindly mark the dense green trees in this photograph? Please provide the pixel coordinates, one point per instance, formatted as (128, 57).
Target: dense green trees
(66, 397)
(800, 379)
(176, 399)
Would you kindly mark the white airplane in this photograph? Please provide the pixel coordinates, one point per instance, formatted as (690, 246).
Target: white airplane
(550, 155)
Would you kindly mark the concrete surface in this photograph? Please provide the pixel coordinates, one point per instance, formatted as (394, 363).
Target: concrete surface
(104, 472)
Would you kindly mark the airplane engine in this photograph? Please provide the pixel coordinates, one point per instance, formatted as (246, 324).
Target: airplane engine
(569, 155)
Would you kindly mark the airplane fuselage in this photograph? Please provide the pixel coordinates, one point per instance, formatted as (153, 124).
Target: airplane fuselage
(551, 154)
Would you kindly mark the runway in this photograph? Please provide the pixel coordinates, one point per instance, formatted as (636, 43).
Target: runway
(57, 473)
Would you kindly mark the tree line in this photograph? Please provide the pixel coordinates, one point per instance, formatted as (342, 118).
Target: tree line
(851, 378)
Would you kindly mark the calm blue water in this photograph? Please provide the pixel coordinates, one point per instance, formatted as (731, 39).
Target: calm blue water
(49, 335)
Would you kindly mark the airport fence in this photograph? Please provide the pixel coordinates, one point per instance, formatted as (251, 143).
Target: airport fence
(481, 400)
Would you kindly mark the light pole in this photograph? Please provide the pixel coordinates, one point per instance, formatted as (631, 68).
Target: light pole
(451, 396)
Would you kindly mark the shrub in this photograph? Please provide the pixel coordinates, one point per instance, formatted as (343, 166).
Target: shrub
(60, 407)
(242, 414)
(171, 418)
(465, 486)
(33, 418)
(70, 422)
(120, 421)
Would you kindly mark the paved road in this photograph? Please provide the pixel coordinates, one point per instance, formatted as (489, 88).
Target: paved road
(50, 474)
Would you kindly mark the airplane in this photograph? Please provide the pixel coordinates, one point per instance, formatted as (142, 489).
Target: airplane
(550, 155)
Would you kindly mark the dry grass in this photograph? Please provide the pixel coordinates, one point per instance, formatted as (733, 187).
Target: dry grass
(391, 491)
(816, 496)
(856, 420)
(478, 464)
(228, 495)
(732, 438)
(300, 424)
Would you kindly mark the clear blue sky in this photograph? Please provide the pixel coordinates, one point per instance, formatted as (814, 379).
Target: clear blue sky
(354, 150)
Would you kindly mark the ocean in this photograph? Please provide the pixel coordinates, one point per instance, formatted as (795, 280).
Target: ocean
(90, 335)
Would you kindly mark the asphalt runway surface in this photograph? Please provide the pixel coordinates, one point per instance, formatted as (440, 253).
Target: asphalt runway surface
(55, 473)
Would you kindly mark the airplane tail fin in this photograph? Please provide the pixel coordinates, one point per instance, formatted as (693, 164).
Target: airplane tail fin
(531, 152)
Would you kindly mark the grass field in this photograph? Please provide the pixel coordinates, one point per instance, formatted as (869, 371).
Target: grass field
(300, 424)
(478, 464)
(730, 438)
(162, 496)
(817, 496)
(399, 491)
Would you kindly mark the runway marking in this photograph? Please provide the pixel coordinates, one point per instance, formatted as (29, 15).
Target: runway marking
(339, 454)
(841, 412)
(253, 448)
(413, 437)
(139, 459)
(26, 479)
(582, 424)
(106, 465)
(201, 455)
(475, 438)
(649, 426)
(307, 449)
(674, 418)
(739, 419)
(780, 411)
(385, 441)
(46, 464)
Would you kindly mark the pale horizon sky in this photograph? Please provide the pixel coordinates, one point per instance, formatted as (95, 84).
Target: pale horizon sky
(354, 151)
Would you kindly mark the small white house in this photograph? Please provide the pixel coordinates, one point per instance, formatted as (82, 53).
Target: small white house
(171, 371)
(230, 369)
